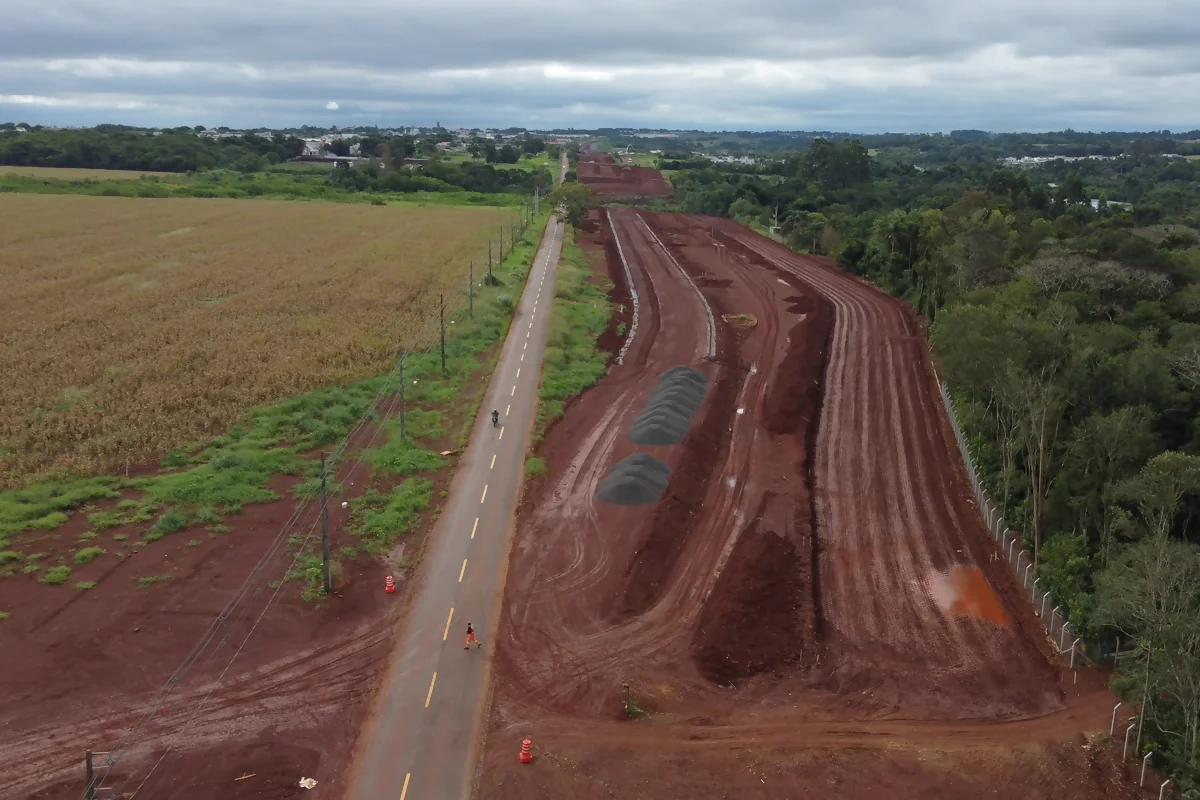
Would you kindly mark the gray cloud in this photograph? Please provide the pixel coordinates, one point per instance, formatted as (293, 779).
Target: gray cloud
(855, 65)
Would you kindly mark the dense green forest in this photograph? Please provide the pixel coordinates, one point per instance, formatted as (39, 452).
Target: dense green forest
(1070, 338)
(120, 147)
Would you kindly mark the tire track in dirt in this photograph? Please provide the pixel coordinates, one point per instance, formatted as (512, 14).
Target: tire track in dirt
(882, 563)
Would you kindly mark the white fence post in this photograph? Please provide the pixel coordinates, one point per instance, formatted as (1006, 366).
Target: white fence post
(1033, 590)
(1125, 751)
(1162, 789)
(1062, 640)
(1113, 727)
(1042, 613)
(1010, 549)
(1025, 577)
(1143, 775)
(1074, 647)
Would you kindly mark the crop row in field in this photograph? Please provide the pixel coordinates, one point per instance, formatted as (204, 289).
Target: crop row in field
(136, 326)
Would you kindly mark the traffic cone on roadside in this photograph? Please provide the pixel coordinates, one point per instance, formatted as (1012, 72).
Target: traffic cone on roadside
(389, 585)
(526, 756)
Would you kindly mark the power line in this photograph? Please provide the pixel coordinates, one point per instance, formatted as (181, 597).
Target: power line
(244, 590)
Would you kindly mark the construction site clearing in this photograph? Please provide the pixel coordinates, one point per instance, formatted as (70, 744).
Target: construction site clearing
(814, 607)
(754, 569)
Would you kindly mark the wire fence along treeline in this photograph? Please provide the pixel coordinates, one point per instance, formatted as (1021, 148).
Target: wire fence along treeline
(166, 718)
(1012, 544)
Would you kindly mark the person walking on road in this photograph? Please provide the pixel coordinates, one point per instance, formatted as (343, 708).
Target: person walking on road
(471, 638)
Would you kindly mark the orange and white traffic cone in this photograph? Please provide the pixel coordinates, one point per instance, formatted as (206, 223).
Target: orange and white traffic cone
(389, 585)
(526, 756)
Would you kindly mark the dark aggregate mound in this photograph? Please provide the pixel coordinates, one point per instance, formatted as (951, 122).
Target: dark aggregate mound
(634, 480)
(668, 413)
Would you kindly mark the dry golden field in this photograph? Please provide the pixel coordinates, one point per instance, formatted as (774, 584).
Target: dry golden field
(134, 325)
(67, 174)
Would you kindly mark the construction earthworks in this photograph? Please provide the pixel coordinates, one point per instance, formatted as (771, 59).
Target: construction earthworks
(814, 607)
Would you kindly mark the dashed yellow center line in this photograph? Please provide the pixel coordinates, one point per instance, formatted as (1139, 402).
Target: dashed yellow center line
(501, 436)
(526, 347)
(461, 572)
(474, 527)
(481, 499)
(448, 619)
(514, 391)
(518, 373)
(493, 466)
(429, 696)
(404, 791)
(522, 356)
(507, 410)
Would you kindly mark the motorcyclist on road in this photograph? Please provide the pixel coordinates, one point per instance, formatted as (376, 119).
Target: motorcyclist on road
(495, 418)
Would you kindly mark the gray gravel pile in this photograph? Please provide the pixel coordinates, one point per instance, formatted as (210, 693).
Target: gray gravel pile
(634, 480)
(668, 413)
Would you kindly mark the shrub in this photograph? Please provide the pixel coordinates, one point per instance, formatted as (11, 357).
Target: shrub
(535, 467)
(56, 575)
(87, 554)
(170, 522)
(8, 556)
(505, 302)
(83, 586)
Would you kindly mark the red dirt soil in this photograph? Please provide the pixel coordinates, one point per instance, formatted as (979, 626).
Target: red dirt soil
(811, 609)
(82, 668)
(600, 173)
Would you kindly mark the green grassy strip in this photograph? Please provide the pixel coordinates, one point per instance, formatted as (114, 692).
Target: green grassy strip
(579, 315)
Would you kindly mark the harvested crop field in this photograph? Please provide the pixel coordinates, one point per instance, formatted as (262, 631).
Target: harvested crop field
(72, 174)
(600, 173)
(133, 325)
(812, 607)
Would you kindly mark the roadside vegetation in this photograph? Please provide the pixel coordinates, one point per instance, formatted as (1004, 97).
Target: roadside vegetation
(204, 485)
(1069, 333)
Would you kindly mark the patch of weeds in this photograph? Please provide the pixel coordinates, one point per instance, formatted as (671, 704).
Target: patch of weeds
(402, 457)
(206, 516)
(31, 568)
(87, 537)
(120, 537)
(177, 458)
(231, 509)
(150, 580)
(313, 572)
(229, 477)
(4, 615)
(105, 519)
(535, 467)
(55, 575)
(350, 552)
(127, 505)
(44, 506)
(382, 518)
(171, 522)
(632, 709)
(83, 586)
(88, 554)
(218, 528)
(9, 556)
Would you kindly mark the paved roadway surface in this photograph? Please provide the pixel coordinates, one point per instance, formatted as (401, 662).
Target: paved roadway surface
(420, 742)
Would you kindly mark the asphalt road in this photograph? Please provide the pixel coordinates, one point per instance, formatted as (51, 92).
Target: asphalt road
(420, 741)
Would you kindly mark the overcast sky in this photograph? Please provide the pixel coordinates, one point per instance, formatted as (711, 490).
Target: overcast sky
(907, 65)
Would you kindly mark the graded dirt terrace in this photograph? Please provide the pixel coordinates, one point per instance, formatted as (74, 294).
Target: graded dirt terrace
(812, 608)
(136, 325)
(600, 173)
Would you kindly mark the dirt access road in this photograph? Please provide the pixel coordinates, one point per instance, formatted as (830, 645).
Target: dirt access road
(600, 173)
(813, 606)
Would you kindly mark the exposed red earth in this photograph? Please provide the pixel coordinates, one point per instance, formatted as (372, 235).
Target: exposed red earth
(82, 668)
(600, 173)
(814, 608)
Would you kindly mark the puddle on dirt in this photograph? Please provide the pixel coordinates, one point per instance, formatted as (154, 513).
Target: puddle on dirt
(964, 592)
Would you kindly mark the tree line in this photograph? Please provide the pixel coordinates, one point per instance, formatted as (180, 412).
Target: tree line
(1069, 335)
(120, 147)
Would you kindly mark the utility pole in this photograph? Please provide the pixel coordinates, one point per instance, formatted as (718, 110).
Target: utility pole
(324, 529)
(402, 398)
(537, 203)
(471, 290)
(91, 775)
(489, 280)
(442, 318)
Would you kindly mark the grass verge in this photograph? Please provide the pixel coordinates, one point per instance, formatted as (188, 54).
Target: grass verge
(578, 317)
